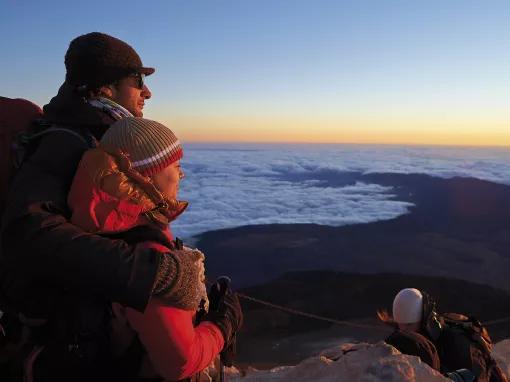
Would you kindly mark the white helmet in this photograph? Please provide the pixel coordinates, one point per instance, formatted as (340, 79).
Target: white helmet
(408, 306)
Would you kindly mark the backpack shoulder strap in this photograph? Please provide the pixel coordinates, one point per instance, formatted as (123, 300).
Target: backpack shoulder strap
(26, 143)
(82, 134)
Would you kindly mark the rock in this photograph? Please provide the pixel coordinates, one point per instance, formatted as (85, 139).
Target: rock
(350, 362)
(501, 353)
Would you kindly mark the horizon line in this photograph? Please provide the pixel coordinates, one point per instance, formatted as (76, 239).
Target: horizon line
(501, 146)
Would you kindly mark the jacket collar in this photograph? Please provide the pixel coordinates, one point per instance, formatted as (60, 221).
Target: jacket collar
(68, 108)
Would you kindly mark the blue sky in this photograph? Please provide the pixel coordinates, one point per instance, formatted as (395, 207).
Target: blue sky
(415, 70)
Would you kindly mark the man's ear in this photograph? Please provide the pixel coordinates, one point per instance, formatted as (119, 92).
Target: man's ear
(106, 91)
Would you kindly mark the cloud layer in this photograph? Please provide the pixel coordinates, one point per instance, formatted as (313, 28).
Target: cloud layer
(234, 185)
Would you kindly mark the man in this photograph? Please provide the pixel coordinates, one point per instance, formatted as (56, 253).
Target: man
(451, 343)
(46, 261)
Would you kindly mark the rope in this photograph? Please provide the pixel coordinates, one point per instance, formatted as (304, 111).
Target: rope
(496, 322)
(335, 321)
(340, 322)
(310, 315)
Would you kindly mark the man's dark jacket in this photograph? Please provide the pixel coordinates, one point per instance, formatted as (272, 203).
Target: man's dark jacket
(42, 253)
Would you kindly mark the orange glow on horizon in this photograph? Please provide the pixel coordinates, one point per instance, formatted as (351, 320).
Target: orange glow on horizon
(259, 130)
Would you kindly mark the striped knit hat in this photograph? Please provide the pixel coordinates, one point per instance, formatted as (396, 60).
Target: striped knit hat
(151, 146)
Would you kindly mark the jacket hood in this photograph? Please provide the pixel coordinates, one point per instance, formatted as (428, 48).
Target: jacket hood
(108, 196)
(69, 108)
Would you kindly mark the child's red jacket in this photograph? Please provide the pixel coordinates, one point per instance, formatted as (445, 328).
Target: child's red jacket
(107, 197)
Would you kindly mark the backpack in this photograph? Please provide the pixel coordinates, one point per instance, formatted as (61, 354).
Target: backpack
(465, 343)
(21, 127)
(17, 117)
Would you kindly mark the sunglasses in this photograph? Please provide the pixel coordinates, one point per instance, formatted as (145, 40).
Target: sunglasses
(140, 77)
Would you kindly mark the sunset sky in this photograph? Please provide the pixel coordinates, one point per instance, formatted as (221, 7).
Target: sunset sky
(360, 71)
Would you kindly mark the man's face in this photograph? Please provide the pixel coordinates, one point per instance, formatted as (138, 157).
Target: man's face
(127, 93)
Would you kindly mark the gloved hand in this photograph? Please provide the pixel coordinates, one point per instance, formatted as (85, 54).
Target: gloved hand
(204, 299)
(225, 312)
(461, 375)
(180, 279)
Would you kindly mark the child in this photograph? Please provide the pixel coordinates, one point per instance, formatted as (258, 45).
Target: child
(127, 187)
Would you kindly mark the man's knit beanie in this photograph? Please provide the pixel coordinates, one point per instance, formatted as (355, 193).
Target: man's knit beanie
(408, 306)
(96, 59)
(150, 146)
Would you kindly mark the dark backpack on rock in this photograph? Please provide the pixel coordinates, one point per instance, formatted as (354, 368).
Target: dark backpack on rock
(465, 343)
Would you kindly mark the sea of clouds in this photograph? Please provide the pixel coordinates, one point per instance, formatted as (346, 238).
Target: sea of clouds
(239, 184)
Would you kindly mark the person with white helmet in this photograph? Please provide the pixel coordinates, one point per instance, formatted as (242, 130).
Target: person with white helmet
(407, 319)
(445, 342)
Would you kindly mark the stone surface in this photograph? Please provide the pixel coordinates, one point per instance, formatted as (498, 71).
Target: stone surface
(349, 362)
(501, 353)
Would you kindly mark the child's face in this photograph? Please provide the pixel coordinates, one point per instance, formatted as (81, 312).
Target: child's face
(167, 181)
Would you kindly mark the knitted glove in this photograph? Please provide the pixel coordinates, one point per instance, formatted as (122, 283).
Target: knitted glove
(225, 312)
(204, 299)
(179, 281)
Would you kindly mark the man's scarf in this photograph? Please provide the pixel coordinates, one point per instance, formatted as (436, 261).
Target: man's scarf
(110, 107)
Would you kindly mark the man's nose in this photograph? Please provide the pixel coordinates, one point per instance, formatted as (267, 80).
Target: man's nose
(181, 174)
(146, 93)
